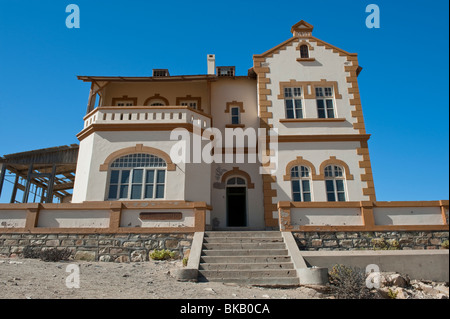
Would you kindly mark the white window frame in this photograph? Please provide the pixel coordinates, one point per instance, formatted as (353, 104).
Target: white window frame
(334, 176)
(300, 174)
(294, 95)
(190, 103)
(325, 95)
(131, 167)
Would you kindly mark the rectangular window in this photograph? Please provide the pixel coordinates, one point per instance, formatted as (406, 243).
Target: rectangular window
(124, 103)
(335, 190)
(235, 118)
(301, 189)
(191, 104)
(330, 191)
(293, 103)
(138, 183)
(325, 104)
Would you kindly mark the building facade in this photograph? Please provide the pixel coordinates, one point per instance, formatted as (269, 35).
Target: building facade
(304, 89)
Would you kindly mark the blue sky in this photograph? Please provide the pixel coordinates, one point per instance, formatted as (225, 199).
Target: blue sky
(404, 83)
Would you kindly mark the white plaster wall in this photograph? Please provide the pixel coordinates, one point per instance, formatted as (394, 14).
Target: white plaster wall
(227, 90)
(130, 218)
(407, 216)
(13, 218)
(316, 153)
(329, 66)
(93, 183)
(74, 218)
(255, 207)
(326, 216)
(83, 169)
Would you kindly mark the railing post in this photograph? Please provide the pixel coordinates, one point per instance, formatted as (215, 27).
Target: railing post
(444, 207)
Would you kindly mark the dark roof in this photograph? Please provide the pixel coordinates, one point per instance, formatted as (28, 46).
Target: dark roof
(52, 155)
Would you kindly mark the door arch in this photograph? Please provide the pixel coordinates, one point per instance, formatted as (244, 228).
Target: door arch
(236, 202)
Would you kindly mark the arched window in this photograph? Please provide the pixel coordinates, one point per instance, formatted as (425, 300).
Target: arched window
(304, 51)
(236, 181)
(137, 176)
(300, 182)
(334, 183)
(156, 103)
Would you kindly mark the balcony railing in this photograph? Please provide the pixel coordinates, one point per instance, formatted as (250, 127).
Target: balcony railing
(147, 114)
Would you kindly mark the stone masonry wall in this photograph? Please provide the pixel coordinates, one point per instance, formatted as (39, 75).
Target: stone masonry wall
(404, 240)
(98, 247)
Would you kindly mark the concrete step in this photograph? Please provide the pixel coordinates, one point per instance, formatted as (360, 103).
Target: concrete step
(245, 252)
(245, 266)
(262, 282)
(245, 246)
(248, 274)
(243, 240)
(251, 234)
(245, 259)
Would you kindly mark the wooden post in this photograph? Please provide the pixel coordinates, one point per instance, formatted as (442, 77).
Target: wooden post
(2, 176)
(26, 192)
(444, 207)
(51, 182)
(200, 219)
(14, 191)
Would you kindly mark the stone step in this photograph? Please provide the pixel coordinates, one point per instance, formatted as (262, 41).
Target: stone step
(245, 266)
(251, 234)
(248, 274)
(245, 259)
(243, 246)
(245, 252)
(243, 240)
(283, 282)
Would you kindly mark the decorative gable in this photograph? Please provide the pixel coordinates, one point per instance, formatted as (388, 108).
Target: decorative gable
(302, 29)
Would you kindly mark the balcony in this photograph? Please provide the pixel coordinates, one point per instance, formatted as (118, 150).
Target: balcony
(147, 115)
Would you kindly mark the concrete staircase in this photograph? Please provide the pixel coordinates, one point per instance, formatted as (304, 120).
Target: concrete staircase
(247, 257)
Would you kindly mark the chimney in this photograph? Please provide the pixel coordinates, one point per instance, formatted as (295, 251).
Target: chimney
(211, 64)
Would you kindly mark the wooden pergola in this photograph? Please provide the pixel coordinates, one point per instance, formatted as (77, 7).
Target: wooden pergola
(41, 174)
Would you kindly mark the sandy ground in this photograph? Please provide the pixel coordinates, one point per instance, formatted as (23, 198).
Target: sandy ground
(35, 279)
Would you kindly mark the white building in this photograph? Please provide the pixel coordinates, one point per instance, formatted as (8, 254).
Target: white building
(304, 88)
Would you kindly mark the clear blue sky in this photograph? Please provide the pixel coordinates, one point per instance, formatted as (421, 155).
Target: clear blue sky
(404, 84)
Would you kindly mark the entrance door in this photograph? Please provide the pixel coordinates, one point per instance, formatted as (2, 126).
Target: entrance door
(236, 202)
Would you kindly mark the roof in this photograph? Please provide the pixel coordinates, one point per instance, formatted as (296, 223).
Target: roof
(173, 78)
(52, 155)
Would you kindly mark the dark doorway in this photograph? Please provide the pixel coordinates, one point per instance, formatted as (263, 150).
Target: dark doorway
(237, 206)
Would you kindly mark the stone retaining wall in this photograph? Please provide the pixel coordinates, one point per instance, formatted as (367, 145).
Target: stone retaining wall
(102, 247)
(314, 241)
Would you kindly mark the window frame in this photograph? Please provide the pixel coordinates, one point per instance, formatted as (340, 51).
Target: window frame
(299, 175)
(334, 177)
(302, 52)
(235, 116)
(129, 183)
(325, 99)
(291, 97)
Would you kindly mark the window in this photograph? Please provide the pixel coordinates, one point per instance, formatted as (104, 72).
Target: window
(235, 115)
(225, 71)
(324, 98)
(236, 181)
(293, 102)
(137, 176)
(334, 183)
(304, 51)
(191, 104)
(300, 182)
(124, 103)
